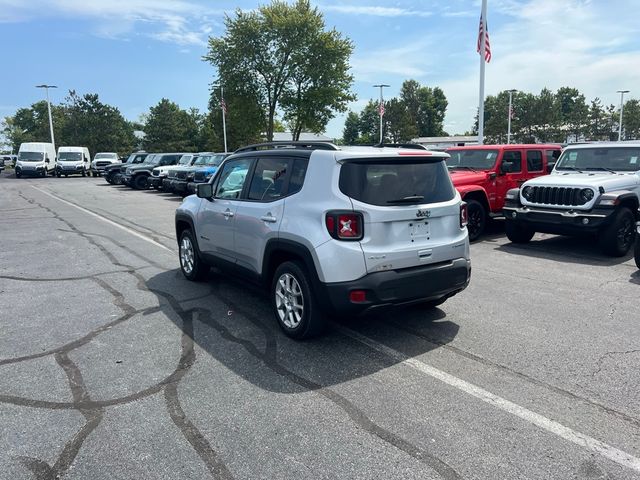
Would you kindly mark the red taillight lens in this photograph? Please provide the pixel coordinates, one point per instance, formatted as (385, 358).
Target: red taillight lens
(357, 296)
(464, 217)
(345, 225)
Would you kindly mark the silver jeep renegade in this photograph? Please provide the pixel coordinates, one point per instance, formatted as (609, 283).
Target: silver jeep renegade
(330, 230)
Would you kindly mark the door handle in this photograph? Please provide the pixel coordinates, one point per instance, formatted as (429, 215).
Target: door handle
(228, 213)
(269, 218)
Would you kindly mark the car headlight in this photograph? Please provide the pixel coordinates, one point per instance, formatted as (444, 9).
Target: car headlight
(527, 193)
(586, 195)
(129, 171)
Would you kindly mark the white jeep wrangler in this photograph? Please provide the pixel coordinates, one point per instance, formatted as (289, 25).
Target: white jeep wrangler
(593, 189)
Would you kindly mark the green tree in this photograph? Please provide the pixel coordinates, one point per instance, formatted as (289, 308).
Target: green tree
(244, 118)
(171, 129)
(351, 132)
(426, 107)
(573, 111)
(398, 122)
(370, 124)
(31, 124)
(546, 117)
(282, 54)
(631, 120)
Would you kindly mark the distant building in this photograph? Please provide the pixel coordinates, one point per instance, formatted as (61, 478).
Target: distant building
(446, 142)
(304, 137)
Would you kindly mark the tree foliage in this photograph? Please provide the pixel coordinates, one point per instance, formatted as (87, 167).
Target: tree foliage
(561, 116)
(170, 129)
(281, 55)
(418, 112)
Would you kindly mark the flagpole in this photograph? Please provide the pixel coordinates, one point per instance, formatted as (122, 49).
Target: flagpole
(483, 16)
(223, 106)
(381, 109)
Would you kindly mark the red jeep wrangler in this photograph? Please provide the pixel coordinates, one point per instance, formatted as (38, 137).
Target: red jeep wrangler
(484, 173)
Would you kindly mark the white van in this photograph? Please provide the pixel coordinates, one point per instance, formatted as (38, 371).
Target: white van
(73, 160)
(35, 158)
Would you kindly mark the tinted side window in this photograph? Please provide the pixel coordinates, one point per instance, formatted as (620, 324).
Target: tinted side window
(298, 172)
(515, 158)
(169, 159)
(552, 157)
(534, 160)
(269, 179)
(232, 178)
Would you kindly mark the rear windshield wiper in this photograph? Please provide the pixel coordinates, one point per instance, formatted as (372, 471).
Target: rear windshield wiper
(601, 168)
(464, 166)
(409, 199)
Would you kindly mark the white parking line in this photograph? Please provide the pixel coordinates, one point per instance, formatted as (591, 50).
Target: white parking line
(551, 426)
(106, 220)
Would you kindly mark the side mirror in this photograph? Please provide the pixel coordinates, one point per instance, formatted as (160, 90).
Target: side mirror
(506, 166)
(46, 160)
(204, 190)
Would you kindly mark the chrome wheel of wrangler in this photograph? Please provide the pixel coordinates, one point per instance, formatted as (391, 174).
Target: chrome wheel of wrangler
(289, 300)
(187, 255)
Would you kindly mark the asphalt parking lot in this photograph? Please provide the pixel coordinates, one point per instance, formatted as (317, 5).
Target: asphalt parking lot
(112, 366)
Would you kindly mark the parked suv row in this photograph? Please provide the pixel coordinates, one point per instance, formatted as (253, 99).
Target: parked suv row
(330, 230)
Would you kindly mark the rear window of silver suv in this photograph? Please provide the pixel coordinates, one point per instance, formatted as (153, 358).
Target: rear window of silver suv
(393, 181)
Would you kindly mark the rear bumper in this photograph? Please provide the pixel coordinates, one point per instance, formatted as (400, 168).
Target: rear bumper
(559, 222)
(398, 287)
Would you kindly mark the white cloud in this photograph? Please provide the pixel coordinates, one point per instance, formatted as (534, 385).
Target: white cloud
(407, 61)
(375, 11)
(180, 22)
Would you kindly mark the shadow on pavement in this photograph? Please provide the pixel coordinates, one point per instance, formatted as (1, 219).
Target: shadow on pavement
(235, 325)
(581, 250)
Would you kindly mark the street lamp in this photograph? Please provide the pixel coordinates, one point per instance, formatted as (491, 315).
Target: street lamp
(381, 107)
(223, 107)
(511, 92)
(47, 87)
(621, 92)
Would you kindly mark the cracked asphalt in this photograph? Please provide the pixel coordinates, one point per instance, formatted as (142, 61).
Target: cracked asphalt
(112, 366)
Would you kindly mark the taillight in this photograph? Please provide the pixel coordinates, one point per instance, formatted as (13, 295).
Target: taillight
(464, 217)
(345, 225)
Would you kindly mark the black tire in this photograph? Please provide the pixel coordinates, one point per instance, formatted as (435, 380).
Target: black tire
(58, 174)
(84, 174)
(291, 290)
(18, 174)
(518, 233)
(192, 266)
(477, 219)
(617, 238)
(636, 252)
(44, 173)
(66, 176)
(139, 182)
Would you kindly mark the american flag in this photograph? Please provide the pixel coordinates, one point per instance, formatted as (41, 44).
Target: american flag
(381, 108)
(487, 45)
(512, 114)
(223, 105)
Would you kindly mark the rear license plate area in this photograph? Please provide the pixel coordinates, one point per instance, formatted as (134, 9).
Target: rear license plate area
(419, 230)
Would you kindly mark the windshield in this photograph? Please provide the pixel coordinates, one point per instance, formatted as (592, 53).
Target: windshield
(479, 159)
(619, 159)
(110, 156)
(30, 156)
(70, 156)
(209, 160)
(185, 159)
(136, 158)
(393, 182)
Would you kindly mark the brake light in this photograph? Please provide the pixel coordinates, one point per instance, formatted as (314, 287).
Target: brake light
(357, 296)
(345, 225)
(464, 217)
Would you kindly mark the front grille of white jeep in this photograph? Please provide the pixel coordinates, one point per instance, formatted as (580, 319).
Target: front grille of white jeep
(564, 196)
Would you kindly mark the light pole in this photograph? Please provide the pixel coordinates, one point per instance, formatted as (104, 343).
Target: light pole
(223, 107)
(47, 87)
(621, 92)
(381, 108)
(509, 114)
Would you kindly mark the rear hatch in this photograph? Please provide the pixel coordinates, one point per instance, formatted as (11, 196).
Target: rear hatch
(410, 209)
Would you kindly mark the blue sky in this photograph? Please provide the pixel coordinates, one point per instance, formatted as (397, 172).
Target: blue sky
(134, 52)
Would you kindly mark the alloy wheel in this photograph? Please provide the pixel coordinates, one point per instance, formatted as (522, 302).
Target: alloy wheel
(289, 300)
(187, 255)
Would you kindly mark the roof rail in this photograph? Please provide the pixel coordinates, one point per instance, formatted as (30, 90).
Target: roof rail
(413, 146)
(286, 144)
